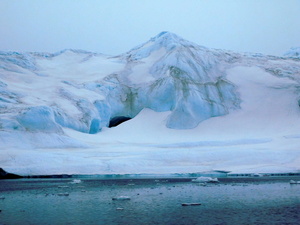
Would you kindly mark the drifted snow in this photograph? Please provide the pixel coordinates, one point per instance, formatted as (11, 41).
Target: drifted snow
(194, 109)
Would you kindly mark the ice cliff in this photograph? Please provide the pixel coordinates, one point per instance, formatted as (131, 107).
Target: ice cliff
(85, 91)
(168, 73)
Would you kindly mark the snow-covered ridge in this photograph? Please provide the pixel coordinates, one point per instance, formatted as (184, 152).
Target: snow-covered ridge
(293, 53)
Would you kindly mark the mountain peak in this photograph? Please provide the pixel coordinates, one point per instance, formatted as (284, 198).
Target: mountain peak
(163, 33)
(166, 35)
(165, 39)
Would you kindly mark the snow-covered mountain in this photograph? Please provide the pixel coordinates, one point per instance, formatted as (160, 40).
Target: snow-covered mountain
(187, 109)
(293, 53)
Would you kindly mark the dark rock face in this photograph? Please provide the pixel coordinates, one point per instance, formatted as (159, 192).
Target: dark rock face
(6, 175)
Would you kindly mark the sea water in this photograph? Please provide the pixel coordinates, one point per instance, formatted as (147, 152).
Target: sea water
(150, 201)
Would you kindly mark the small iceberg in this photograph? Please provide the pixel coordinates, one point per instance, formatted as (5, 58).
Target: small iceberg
(63, 186)
(294, 182)
(76, 181)
(63, 194)
(205, 180)
(256, 175)
(121, 198)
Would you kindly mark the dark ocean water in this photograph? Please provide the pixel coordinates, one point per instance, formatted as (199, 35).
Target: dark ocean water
(232, 201)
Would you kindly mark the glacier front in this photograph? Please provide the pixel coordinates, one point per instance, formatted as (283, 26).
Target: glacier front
(187, 109)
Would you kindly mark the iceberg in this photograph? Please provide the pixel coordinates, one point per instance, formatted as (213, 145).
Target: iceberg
(205, 180)
(294, 182)
(121, 198)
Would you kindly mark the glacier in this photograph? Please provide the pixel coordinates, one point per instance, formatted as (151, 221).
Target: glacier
(187, 108)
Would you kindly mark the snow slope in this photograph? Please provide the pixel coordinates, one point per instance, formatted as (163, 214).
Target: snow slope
(193, 109)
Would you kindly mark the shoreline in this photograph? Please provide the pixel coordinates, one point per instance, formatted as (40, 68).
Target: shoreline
(149, 176)
(164, 176)
(176, 176)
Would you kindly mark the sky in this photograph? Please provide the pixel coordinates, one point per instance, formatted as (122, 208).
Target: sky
(115, 26)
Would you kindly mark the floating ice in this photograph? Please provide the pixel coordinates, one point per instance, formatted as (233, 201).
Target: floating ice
(121, 198)
(205, 180)
(63, 194)
(76, 181)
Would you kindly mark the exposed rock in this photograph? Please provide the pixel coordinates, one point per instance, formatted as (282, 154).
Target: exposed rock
(6, 175)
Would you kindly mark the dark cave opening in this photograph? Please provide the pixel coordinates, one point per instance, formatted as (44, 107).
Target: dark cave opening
(118, 120)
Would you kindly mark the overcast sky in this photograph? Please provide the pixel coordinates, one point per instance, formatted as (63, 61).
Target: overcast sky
(116, 26)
